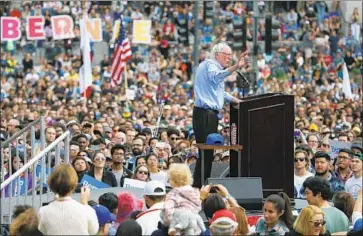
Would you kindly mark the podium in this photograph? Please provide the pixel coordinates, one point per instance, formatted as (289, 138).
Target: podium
(264, 126)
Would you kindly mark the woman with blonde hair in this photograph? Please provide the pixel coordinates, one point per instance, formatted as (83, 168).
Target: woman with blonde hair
(311, 221)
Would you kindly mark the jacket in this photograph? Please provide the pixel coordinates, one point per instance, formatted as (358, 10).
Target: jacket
(107, 178)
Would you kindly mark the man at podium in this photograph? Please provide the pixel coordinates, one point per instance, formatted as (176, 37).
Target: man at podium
(209, 97)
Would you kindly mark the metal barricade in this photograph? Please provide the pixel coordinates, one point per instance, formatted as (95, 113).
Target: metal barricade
(28, 184)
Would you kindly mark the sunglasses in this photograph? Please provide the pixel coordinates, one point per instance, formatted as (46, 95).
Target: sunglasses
(143, 172)
(318, 223)
(174, 139)
(299, 159)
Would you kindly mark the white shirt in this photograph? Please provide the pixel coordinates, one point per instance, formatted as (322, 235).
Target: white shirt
(298, 182)
(149, 219)
(67, 217)
(161, 176)
(353, 185)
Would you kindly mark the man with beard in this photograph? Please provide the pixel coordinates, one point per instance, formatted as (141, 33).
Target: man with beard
(118, 169)
(322, 163)
(138, 148)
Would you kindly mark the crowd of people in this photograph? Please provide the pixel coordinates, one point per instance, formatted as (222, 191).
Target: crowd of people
(114, 138)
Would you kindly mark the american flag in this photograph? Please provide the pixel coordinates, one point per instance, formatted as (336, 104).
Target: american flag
(121, 54)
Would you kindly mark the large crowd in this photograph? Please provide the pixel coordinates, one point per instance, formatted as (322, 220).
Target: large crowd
(114, 138)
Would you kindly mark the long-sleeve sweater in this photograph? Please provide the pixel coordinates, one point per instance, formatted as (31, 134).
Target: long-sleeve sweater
(67, 217)
(186, 198)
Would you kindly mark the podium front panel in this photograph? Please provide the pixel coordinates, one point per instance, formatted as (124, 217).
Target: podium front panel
(265, 126)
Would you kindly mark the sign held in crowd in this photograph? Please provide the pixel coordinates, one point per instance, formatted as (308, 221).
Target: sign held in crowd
(93, 183)
(134, 183)
(62, 28)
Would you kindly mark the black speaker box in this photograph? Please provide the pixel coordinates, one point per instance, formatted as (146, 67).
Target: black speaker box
(246, 190)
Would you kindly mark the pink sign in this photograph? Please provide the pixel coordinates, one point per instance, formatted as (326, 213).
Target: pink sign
(35, 28)
(10, 28)
(62, 27)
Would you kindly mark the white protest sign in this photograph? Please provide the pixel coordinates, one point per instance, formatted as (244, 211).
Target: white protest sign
(130, 94)
(134, 183)
(335, 146)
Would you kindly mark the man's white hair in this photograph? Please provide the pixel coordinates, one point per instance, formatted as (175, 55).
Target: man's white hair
(219, 47)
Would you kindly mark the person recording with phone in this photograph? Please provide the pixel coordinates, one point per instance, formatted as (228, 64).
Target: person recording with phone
(210, 97)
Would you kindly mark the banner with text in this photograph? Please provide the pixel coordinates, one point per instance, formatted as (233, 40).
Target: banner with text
(335, 146)
(93, 183)
(62, 28)
(142, 31)
(134, 183)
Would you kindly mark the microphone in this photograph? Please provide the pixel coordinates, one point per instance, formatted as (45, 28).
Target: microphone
(242, 81)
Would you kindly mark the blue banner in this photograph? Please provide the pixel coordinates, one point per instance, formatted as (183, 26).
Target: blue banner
(46, 172)
(93, 183)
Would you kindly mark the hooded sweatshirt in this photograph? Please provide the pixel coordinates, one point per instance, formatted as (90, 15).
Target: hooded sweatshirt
(185, 197)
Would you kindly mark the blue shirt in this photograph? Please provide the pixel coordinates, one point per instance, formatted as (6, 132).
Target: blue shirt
(209, 85)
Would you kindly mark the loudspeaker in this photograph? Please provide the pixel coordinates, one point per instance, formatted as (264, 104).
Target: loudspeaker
(247, 191)
(219, 169)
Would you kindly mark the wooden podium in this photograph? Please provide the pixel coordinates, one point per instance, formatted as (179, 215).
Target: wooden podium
(265, 128)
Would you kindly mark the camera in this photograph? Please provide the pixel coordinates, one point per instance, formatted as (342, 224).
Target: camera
(213, 189)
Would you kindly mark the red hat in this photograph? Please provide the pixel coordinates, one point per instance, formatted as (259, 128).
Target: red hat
(223, 216)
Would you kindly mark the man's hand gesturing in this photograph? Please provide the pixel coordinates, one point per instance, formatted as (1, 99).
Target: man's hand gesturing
(242, 59)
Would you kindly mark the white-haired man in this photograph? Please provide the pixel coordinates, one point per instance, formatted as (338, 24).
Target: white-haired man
(210, 97)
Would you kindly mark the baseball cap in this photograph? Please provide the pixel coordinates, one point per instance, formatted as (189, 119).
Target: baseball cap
(146, 131)
(359, 156)
(356, 145)
(215, 139)
(154, 188)
(224, 216)
(107, 129)
(313, 127)
(104, 215)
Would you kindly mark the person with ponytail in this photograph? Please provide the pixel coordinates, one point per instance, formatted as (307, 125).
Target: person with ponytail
(277, 216)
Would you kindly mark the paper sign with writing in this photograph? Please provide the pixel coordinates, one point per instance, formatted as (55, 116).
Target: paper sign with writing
(35, 28)
(335, 146)
(142, 31)
(10, 28)
(134, 183)
(62, 27)
(93, 183)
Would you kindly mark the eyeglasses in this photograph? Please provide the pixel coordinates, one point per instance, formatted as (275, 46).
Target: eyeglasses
(227, 54)
(118, 154)
(317, 223)
(100, 158)
(299, 159)
(143, 172)
(343, 158)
